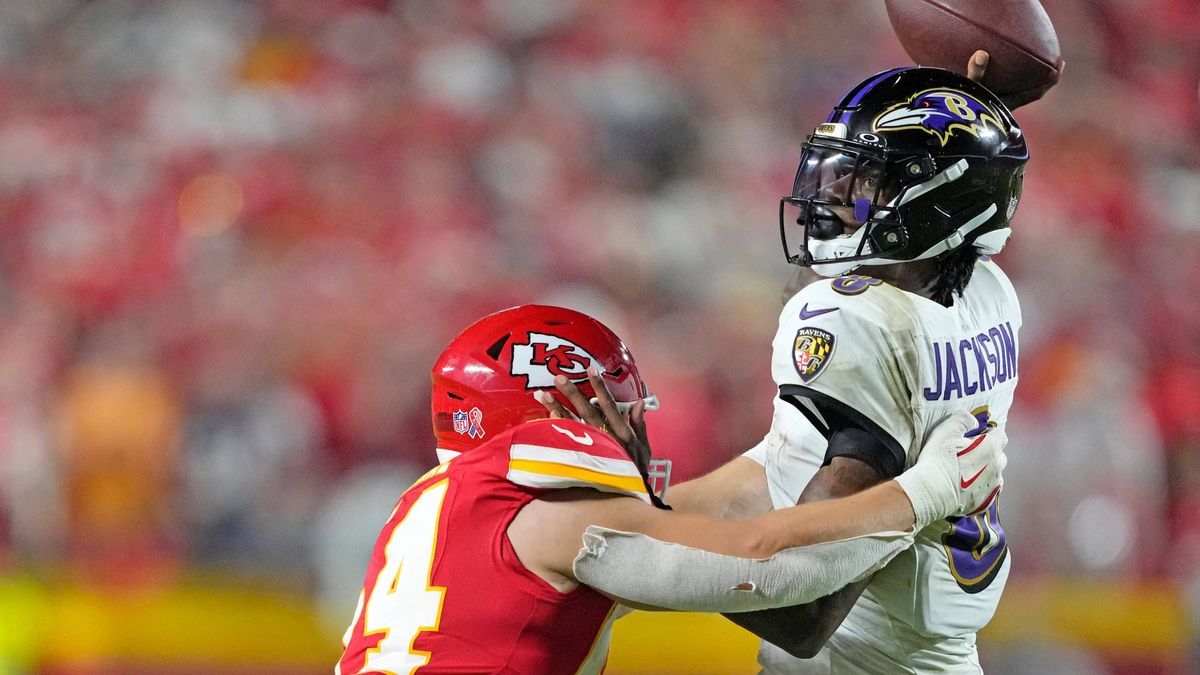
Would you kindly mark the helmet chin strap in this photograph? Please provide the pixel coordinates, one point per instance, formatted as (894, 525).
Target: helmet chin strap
(841, 246)
(831, 270)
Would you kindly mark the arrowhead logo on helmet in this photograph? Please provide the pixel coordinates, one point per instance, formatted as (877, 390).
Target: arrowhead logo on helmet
(545, 356)
(942, 113)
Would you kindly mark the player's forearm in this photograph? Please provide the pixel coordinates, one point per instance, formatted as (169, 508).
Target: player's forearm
(735, 491)
(793, 629)
(704, 564)
(883, 508)
(689, 497)
(690, 579)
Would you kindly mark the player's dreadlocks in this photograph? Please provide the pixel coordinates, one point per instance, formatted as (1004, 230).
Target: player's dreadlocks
(954, 272)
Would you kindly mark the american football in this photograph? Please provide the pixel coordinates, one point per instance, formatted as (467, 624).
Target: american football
(1026, 60)
(625, 337)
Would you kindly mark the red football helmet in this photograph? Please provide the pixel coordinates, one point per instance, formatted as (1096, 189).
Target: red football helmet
(483, 382)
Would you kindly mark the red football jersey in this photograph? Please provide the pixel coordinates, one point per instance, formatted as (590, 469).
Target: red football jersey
(445, 591)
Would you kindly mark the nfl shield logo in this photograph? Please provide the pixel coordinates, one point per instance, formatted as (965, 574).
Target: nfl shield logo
(460, 422)
(811, 351)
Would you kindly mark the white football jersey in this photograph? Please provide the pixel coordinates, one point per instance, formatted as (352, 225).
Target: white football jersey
(867, 370)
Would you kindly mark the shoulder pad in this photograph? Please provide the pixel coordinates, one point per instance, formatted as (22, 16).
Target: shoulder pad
(849, 300)
(557, 454)
(853, 284)
(822, 327)
(989, 270)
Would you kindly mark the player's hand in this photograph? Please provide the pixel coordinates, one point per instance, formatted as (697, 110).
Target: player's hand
(955, 475)
(602, 413)
(977, 67)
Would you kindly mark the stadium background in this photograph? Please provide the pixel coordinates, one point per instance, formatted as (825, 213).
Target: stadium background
(236, 235)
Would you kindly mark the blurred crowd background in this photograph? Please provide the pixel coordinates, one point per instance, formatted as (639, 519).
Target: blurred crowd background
(237, 234)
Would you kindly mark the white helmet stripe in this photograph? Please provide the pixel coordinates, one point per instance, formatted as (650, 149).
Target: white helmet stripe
(953, 173)
(958, 236)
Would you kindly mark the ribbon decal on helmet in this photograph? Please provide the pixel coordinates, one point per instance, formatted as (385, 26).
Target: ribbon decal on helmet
(475, 417)
(469, 423)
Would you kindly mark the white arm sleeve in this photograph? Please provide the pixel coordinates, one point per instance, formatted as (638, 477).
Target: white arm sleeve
(648, 571)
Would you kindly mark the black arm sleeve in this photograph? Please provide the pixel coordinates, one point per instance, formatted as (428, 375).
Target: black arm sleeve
(850, 433)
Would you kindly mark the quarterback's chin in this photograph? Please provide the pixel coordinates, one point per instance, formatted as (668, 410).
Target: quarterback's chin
(835, 269)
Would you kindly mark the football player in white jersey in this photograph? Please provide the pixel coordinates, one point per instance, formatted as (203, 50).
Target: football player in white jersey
(901, 192)
(900, 195)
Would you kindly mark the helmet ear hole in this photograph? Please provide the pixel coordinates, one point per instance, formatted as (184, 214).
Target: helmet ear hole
(497, 346)
(890, 237)
(919, 169)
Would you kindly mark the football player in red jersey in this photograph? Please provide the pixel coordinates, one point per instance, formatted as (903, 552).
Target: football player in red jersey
(477, 568)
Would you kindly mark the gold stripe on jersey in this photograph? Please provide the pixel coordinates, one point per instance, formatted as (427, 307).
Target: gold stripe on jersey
(544, 453)
(576, 475)
(547, 475)
(549, 467)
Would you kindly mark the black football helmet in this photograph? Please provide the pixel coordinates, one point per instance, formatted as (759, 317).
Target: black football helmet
(920, 161)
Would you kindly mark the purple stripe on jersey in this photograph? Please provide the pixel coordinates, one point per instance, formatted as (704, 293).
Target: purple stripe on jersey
(862, 91)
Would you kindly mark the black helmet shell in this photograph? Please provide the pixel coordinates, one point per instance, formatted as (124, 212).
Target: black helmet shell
(914, 162)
